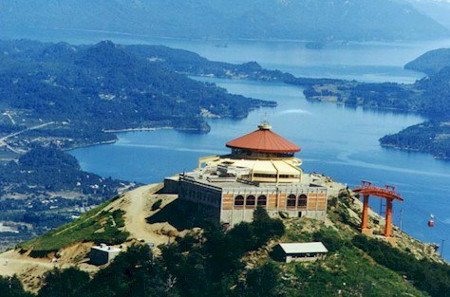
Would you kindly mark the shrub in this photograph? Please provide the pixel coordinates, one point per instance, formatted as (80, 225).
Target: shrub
(331, 239)
(68, 283)
(431, 277)
(156, 205)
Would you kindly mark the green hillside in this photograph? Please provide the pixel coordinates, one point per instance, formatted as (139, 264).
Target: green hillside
(99, 225)
(241, 262)
(431, 62)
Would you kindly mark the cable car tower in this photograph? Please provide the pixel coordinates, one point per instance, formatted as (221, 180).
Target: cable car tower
(389, 193)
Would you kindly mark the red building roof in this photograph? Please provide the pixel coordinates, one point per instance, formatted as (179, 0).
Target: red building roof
(263, 140)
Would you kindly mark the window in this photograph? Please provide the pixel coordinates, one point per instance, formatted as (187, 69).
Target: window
(288, 176)
(262, 175)
(262, 200)
(291, 201)
(239, 200)
(251, 201)
(302, 200)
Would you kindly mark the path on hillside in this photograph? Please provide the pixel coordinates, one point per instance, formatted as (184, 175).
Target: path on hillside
(12, 263)
(138, 209)
(3, 140)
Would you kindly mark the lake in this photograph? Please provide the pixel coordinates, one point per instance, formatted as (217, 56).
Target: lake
(339, 142)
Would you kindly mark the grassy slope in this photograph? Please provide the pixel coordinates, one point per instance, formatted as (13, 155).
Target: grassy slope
(346, 269)
(100, 225)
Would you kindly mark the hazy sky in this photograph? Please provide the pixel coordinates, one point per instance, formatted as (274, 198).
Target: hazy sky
(447, 1)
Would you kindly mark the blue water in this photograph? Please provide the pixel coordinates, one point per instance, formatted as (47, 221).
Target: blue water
(371, 62)
(339, 142)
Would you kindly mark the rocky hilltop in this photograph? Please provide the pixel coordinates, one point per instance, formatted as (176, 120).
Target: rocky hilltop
(190, 258)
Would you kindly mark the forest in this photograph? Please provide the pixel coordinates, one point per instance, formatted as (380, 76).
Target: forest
(105, 87)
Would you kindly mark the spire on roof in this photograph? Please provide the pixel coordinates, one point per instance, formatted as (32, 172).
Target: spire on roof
(265, 126)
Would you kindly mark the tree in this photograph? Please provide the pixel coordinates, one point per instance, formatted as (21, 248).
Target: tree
(261, 282)
(12, 287)
(133, 273)
(69, 283)
(265, 227)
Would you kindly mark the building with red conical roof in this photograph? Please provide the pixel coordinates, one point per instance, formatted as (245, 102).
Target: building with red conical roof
(263, 143)
(260, 171)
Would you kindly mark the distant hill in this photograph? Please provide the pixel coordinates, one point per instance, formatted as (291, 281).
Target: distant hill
(105, 87)
(359, 20)
(431, 62)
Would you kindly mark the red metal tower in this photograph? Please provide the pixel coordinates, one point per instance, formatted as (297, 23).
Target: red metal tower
(388, 192)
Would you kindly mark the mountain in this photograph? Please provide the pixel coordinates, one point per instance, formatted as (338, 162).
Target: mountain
(439, 10)
(189, 261)
(359, 20)
(431, 62)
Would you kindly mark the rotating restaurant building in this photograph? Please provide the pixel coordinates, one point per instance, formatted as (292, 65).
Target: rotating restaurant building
(260, 171)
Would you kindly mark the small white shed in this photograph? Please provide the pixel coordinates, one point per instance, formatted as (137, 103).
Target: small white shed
(304, 251)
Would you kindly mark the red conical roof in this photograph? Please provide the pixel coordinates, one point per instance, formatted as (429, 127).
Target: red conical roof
(265, 141)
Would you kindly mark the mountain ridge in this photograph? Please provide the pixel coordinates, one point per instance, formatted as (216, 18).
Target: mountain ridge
(300, 20)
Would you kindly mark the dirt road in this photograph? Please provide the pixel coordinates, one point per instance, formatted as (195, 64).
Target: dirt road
(138, 208)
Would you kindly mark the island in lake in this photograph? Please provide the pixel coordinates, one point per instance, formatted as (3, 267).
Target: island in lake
(429, 97)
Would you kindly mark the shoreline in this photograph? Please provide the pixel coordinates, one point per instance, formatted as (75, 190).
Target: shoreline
(137, 129)
(237, 39)
(89, 145)
(413, 150)
(119, 131)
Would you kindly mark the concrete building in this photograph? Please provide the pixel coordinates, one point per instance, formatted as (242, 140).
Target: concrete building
(261, 171)
(301, 252)
(103, 254)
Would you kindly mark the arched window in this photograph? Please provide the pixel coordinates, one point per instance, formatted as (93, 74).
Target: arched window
(251, 201)
(239, 200)
(291, 201)
(262, 200)
(302, 200)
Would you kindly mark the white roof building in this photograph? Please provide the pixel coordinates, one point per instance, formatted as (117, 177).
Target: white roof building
(308, 251)
(303, 248)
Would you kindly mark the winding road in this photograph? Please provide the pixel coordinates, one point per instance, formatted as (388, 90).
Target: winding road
(3, 141)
